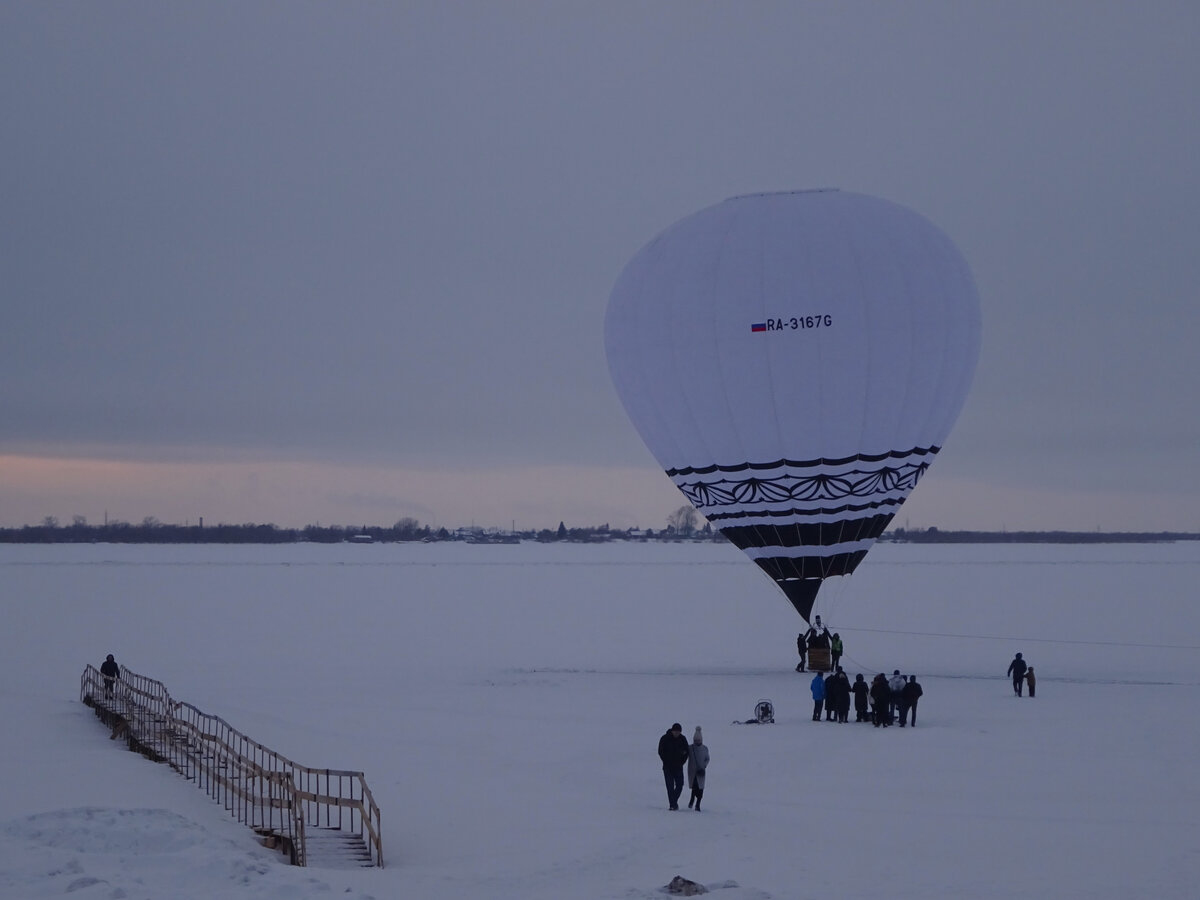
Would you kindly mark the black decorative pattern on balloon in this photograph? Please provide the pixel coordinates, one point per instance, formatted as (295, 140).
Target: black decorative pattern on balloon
(815, 488)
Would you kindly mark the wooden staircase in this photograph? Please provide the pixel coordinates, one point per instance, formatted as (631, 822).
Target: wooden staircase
(320, 817)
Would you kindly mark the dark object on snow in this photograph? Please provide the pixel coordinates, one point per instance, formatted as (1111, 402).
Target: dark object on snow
(683, 887)
(764, 712)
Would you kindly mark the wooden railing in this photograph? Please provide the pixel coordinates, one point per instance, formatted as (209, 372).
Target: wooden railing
(259, 787)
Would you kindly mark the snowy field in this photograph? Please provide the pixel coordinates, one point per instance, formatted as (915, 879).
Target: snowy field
(505, 703)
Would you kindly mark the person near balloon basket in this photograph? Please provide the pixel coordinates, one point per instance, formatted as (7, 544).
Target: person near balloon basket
(817, 686)
(835, 650)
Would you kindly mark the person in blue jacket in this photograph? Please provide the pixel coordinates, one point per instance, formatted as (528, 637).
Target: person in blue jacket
(818, 691)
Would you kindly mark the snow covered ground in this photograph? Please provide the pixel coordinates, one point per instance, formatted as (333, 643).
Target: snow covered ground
(505, 703)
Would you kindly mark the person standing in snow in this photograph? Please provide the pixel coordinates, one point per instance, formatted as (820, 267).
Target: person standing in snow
(835, 650)
(802, 649)
(881, 697)
(1031, 680)
(111, 672)
(817, 686)
(896, 684)
(673, 751)
(696, 765)
(842, 705)
(908, 700)
(1017, 669)
(862, 692)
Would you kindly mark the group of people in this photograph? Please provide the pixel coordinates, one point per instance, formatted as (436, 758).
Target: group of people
(818, 637)
(1022, 674)
(880, 702)
(877, 702)
(675, 752)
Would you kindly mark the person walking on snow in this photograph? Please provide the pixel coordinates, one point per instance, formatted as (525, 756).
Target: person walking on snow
(1017, 669)
(1031, 680)
(673, 751)
(696, 765)
(111, 673)
(817, 686)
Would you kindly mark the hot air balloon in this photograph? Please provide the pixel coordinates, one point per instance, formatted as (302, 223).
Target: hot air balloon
(794, 361)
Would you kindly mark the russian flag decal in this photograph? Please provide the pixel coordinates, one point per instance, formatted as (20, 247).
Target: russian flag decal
(758, 326)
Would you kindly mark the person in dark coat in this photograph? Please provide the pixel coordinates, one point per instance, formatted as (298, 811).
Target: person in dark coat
(881, 698)
(862, 693)
(697, 765)
(830, 696)
(817, 686)
(673, 751)
(1031, 680)
(817, 634)
(908, 700)
(835, 650)
(842, 681)
(802, 649)
(896, 683)
(1017, 669)
(111, 672)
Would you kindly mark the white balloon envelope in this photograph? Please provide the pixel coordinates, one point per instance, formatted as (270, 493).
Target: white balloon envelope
(794, 361)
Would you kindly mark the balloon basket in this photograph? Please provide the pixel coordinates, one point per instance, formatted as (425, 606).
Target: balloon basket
(819, 659)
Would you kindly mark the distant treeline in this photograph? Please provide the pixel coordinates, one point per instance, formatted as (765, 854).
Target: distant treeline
(936, 536)
(151, 531)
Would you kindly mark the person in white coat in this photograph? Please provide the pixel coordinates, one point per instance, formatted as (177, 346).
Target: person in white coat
(697, 764)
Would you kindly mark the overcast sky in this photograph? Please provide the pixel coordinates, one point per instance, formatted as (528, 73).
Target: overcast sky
(345, 263)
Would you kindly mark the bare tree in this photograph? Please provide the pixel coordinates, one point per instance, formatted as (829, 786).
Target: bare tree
(683, 520)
